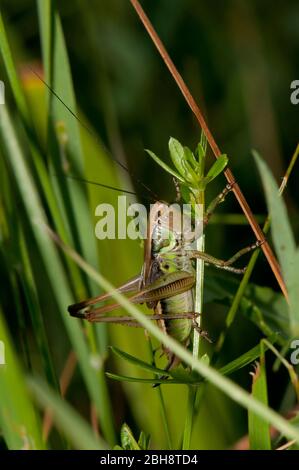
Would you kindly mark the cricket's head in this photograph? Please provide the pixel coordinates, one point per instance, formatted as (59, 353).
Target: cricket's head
(170, 227)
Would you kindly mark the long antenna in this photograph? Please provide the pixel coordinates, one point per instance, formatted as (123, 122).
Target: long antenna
(96, 138)
(102, 185)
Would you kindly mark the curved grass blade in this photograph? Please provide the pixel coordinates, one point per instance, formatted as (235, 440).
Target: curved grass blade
(179, 376)
(283, 239)
(259, 430)
(12, 74)
(125, 378)
(138, 362)
(245, 359)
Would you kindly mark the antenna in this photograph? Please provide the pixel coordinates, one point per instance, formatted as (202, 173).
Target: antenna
(96, 138)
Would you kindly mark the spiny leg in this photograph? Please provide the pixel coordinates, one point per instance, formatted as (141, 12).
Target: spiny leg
(218, 199)
(200, 331)
(242, 252)
(225, 264)
(95, 317)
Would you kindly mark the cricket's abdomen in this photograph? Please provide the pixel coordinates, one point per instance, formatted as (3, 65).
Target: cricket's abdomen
(178, 304)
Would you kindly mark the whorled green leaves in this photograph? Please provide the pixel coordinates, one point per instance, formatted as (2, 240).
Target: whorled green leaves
(189, 167)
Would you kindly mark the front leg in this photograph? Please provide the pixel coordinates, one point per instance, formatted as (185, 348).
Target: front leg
(218, 199)
(225, 264)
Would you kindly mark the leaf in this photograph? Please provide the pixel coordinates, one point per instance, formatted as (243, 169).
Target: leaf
(216, 168)
(182, 376)
(138, 362)
(125, 378)
(283, 240)
(12, 73)
(143, 441)
(165, 166)
(189, 156)
(200, 151)
(178, 156)
(259, 429)
(65, 417)
(128, 441)
(246, 358)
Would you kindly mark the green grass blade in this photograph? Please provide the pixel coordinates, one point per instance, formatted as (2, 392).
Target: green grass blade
(125, 378)
(12, 74)
(18, 420)
(259, 430)
(138, 362)
(30, 291)
(164, 165)
(182, 377)
(245, 359)
(283, 240)
(75, 428)
(45, 18)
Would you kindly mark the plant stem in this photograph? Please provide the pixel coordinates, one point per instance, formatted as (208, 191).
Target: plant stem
(164, 419)
(189, 417)
(199, 274)
(199, 208)
(161, 400)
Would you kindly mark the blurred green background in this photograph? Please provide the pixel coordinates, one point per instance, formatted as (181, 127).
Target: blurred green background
(239, 59)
